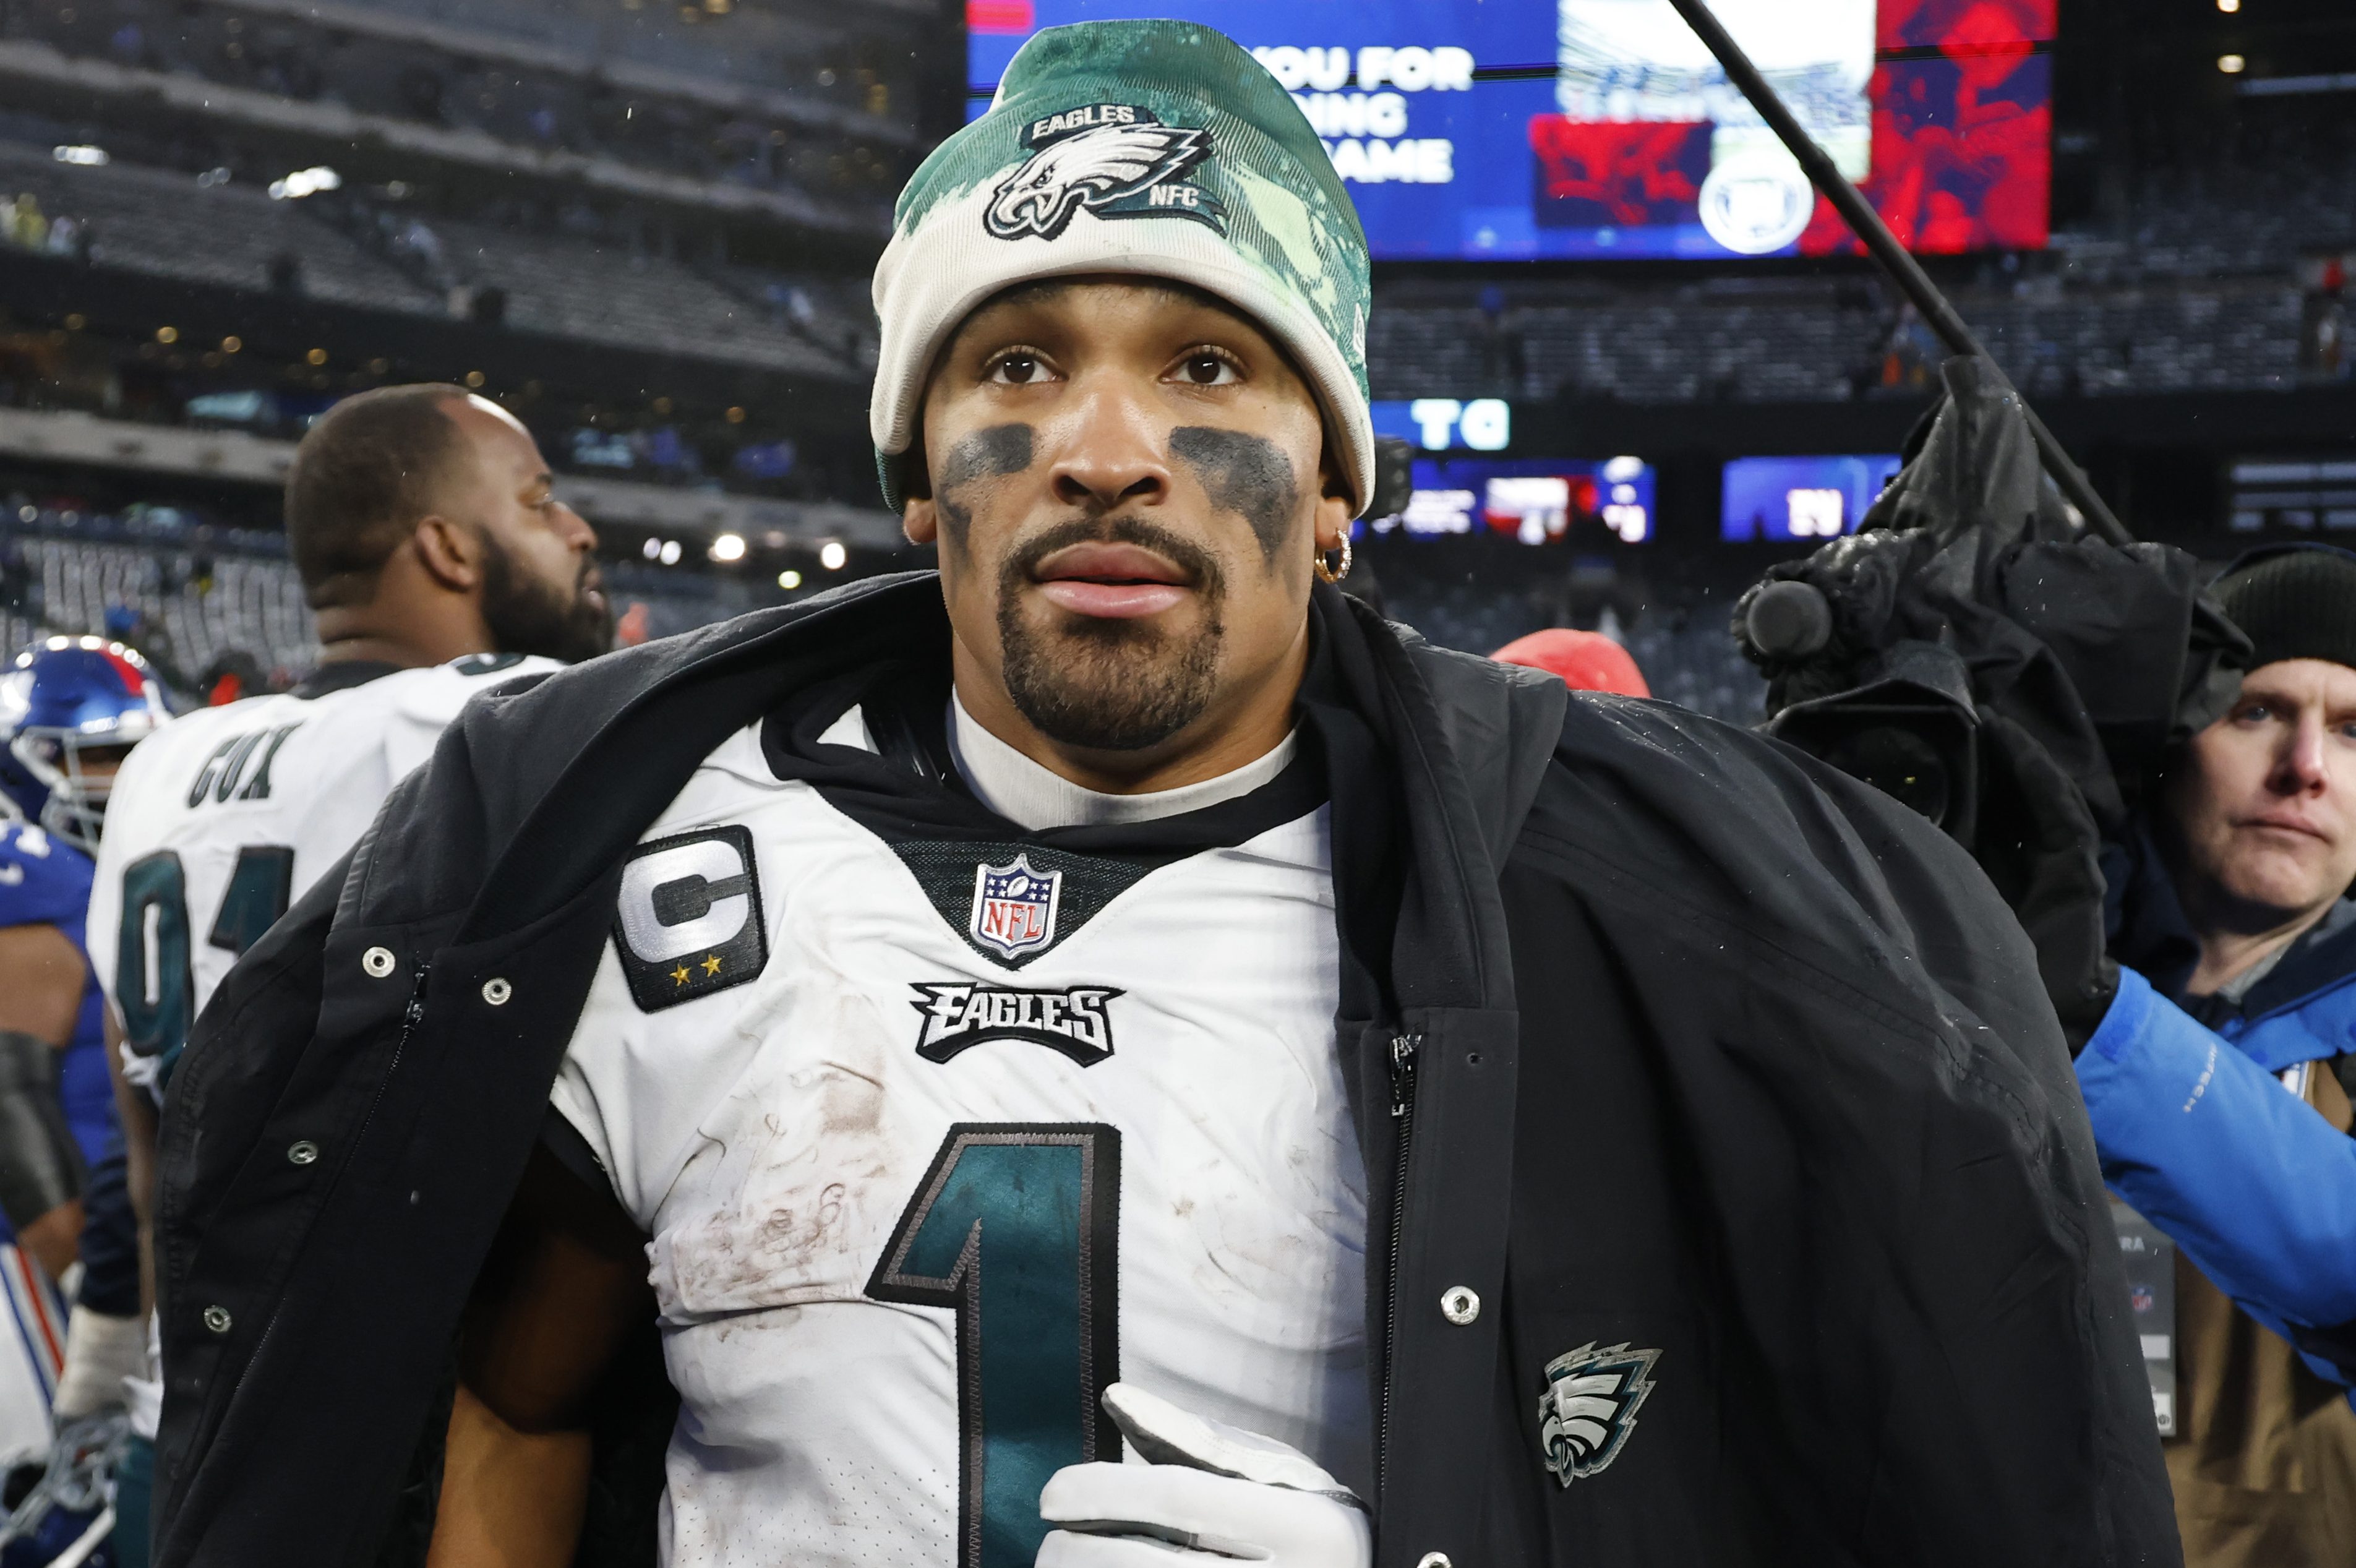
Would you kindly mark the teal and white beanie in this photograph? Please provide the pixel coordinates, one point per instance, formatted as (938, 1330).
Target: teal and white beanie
(1152, 148)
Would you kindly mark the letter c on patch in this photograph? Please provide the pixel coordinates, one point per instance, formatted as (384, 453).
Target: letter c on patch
(687, 916)
(675, 880)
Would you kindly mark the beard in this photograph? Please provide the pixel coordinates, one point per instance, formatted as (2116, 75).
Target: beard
(1105, 684)
(528, 615)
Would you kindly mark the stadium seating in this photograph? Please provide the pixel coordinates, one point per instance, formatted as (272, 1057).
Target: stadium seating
(1778, 340)
(2250, 214)
(185, 594)
(1690, 659)
(183, 598)
(163, 223)
(582, 288)
(596, 84)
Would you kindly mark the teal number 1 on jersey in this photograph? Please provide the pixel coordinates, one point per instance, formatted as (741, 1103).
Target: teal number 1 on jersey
(1016, 1228)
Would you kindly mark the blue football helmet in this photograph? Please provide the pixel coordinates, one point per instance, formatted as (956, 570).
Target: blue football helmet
(70, 707)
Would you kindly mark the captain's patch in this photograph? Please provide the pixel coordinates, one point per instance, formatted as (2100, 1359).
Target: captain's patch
(688, 919)
(958, 1014)
(1589, 1407)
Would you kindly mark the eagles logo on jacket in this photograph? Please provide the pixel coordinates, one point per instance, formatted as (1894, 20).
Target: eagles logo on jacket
(1728, 1198)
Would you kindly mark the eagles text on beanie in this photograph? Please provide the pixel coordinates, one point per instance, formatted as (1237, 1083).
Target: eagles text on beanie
(1151, 147)
(2296, 601)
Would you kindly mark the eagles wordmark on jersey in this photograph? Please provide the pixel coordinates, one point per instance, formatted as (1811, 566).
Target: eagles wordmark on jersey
(936, 1138)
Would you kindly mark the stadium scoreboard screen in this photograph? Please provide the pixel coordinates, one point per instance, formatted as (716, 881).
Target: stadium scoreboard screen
(1799, 498)
(1536, 500)
(1596, 128)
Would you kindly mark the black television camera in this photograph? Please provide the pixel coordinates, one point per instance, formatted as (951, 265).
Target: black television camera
(1972, 651)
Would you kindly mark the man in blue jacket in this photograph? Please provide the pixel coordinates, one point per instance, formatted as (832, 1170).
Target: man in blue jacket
(2218, 1084)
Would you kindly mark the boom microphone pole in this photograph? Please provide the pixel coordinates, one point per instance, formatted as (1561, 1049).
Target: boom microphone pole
(1894, 258)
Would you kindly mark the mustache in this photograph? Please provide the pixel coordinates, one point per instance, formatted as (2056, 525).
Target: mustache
(1200, 567)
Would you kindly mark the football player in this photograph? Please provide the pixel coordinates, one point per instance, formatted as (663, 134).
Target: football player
(1111, 1054)
(71, 709)
(438, 562)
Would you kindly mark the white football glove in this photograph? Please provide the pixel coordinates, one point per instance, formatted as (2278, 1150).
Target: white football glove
(100, 1351)
(1209, 1492)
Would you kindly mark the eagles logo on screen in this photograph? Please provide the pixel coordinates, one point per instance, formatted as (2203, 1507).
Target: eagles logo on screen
(1589, 1407)
(688, 922)
(1115, 159)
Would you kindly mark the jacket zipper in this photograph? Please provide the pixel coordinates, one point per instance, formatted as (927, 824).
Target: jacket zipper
(1403, 1051)
(411, 1016)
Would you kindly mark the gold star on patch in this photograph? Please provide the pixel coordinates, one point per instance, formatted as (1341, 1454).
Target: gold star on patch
(711, 963)
(679, 975)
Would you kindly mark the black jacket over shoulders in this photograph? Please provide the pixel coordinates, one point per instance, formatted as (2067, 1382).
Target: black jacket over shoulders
(1709, 1051)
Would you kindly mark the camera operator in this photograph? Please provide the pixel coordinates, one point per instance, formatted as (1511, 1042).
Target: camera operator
(2218, 1082)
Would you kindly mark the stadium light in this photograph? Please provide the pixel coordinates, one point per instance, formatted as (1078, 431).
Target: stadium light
(653, 548)
(2230, 64)
(87, 156)
(833, 556)
(232, 343)
(167, 334)
(2229, 6)
(669, 555)
(789, 579)
(305, 182)
(728, 547)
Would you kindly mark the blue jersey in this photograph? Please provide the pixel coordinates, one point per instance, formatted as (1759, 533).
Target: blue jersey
(45, 881)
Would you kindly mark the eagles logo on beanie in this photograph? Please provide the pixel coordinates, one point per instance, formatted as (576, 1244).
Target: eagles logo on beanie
(1155, 148)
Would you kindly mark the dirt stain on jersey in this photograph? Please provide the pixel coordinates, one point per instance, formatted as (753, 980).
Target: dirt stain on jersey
(809, 1142)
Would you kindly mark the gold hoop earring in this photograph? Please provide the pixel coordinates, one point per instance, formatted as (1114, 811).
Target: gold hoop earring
(1327, 570)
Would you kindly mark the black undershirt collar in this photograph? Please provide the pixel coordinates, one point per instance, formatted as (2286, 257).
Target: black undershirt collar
(343, 675)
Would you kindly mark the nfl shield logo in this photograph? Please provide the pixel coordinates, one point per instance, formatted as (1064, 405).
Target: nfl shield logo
(1014, 907)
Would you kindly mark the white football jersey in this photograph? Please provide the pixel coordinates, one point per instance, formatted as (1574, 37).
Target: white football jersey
(934, 1139)
(226, 815)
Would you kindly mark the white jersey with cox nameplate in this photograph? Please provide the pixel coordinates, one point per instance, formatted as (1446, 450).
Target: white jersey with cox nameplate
(227, 815)
(934, 1138)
